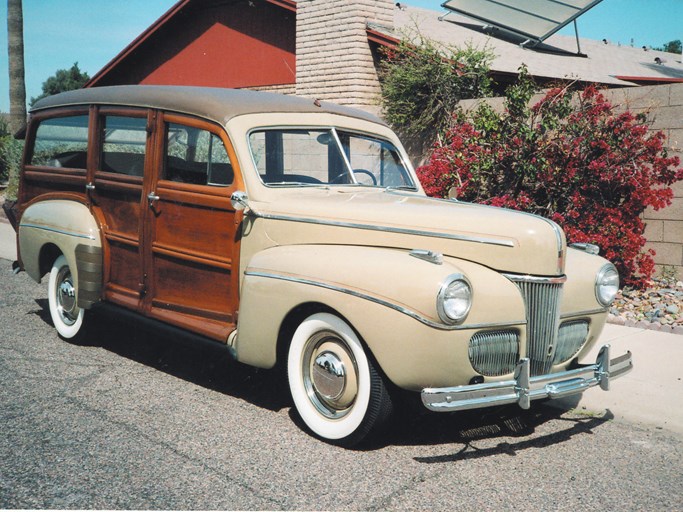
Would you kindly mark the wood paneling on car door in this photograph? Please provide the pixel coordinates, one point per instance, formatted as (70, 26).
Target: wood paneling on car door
(193, 248)
(124, 149)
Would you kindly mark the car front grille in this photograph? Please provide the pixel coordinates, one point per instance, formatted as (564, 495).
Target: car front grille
(494, 353)
(542, 302)
(571, 337)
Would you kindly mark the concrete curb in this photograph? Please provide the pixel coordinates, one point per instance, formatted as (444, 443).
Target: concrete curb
(642, 324)
(652, 393)
(8, 249)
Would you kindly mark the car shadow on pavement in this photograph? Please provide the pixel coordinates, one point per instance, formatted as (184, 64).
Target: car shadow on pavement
(499, 430)
(206, 364)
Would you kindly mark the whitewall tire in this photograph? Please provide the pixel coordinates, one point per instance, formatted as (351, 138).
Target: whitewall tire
(334, 385)
(68, 318)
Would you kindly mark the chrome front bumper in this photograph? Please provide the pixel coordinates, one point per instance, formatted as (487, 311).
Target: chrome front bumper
(522, 389)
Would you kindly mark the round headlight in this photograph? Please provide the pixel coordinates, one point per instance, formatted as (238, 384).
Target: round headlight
(454, 299)
(606, 284)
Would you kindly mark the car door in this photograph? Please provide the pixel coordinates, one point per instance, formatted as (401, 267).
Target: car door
(122, 157)
(191, 238)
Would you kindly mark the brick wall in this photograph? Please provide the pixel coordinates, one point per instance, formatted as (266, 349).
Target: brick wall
(664, 106)
(333, 57)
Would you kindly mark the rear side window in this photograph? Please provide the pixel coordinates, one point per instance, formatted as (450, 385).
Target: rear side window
(62, 142)
(196, 156)
(123, 145)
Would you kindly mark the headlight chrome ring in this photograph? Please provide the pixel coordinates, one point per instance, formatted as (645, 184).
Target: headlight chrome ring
(606, 284)
(454, 300)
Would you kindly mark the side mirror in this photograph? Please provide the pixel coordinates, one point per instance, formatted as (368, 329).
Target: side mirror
(239, 200)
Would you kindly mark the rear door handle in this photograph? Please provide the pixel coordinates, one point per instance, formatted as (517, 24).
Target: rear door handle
(151, 198)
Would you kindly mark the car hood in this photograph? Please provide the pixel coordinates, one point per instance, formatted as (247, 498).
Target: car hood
(502, 239)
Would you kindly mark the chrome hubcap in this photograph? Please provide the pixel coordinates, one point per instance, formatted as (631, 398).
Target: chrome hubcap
(66, 297)
(330, 375)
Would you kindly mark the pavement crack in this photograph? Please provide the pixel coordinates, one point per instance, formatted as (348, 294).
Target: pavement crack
(386, 502)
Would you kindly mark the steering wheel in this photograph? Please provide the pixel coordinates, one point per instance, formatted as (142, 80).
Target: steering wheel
(368, 173)
(356, 171)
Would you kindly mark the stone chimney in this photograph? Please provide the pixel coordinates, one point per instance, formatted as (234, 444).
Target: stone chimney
(333, 57)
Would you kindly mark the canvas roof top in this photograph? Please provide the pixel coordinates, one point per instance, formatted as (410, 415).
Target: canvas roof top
(219, 105)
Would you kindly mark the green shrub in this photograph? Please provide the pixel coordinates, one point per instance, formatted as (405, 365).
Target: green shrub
(10, 159)
(423, 83)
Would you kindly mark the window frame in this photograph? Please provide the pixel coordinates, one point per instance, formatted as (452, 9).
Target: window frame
(411, 186)
(37, 119)
(216, 129)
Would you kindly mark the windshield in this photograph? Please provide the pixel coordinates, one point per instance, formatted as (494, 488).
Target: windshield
(310, 157)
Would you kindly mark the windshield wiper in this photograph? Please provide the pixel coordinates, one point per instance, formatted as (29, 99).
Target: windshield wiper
(294, 184)
(403, 187)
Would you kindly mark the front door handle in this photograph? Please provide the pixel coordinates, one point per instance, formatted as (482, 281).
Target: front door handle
(151, 198)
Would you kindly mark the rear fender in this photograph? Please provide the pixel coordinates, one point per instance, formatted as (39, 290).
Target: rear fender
(67, 227)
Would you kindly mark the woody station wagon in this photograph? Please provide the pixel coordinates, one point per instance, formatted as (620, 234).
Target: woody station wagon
(296, 232)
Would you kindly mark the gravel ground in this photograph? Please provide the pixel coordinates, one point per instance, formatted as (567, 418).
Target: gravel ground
(658, 307)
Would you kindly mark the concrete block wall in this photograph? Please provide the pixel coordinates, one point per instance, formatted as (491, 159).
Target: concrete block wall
(333, 57)
(663, 105)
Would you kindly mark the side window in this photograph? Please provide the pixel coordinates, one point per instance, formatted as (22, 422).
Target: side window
(196, 156)
(62, 142)
(123, 144)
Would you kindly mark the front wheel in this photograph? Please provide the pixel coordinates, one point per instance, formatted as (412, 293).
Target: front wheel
(335, 387)
(68, 318)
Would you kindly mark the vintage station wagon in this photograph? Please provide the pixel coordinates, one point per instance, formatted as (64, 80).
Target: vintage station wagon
(296, 232)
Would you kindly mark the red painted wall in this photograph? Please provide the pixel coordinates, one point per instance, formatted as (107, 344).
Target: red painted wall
(234, 45)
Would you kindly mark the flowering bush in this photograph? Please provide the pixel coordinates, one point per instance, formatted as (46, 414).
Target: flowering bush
(570, 158)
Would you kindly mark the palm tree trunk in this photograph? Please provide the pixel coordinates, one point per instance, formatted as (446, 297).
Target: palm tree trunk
(15, 46)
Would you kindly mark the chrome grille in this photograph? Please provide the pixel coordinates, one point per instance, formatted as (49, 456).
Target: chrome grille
(570, 339)
(542, 301)
(494, 353)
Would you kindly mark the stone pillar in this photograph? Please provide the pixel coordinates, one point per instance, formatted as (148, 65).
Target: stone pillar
(333, 57)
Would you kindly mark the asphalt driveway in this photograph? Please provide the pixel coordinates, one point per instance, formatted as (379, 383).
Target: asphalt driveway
(134, 420)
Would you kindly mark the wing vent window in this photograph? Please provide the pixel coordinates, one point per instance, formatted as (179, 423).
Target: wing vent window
(62, 142)
(196, 156)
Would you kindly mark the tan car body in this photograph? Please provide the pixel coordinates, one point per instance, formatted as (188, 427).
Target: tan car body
(339, 249)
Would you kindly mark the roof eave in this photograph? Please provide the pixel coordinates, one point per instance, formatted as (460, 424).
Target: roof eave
(381, 38)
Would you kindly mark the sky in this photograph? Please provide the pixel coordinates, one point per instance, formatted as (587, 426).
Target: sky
(58, 33)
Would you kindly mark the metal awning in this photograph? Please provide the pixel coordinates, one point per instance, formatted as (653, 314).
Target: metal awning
(532, 20)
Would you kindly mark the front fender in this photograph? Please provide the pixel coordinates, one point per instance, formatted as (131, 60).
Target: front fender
(388, 296)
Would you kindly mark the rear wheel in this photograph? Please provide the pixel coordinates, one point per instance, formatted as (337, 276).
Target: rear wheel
(337, 391)
(68, 318)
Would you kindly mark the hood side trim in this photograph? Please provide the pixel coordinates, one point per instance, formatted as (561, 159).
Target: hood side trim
(385, 229)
